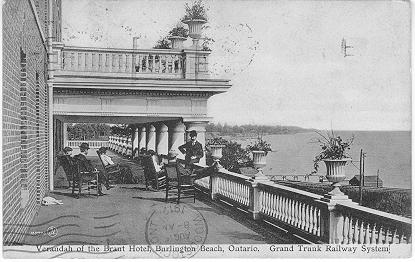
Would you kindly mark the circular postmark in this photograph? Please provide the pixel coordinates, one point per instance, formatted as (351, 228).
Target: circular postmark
(175, 231)
(52, 231)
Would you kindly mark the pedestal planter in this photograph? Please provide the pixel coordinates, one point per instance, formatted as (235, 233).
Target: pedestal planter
(260, 161)
(216, 151)
(195, 29)
(177, 42)
(336, 174)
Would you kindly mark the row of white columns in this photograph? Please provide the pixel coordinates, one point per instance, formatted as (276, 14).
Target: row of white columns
(160, 137)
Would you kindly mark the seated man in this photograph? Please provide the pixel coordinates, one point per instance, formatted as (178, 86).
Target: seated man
(67, 162)
(191, 174)
(154, 157)
(126, 174)
(86, 166)
(192, 149)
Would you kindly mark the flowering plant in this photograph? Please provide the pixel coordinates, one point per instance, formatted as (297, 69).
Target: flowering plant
(196, 11)
(260, 145)
(179, 30)
(332, 148)
(216, 141)
(162, 43)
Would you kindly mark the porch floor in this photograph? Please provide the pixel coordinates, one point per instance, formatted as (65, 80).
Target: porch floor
(120, 217)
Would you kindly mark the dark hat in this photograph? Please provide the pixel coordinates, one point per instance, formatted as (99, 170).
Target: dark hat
(102, 150)
(67, 149)
(192, 133)
(84, 146)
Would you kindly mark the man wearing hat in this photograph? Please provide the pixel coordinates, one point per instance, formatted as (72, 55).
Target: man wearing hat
(86, 166)
(192, 149)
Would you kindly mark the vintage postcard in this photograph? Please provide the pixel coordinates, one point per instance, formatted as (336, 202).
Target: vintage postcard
(206, 129)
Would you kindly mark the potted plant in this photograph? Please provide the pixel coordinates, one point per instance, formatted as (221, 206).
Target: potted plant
(334, 153)
(215, 146)
(178, 35)
(162, 43)
(195, 17)
(259, 151)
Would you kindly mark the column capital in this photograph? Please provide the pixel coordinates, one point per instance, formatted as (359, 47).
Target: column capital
(177, 127)
(162, 127)
(151, 128)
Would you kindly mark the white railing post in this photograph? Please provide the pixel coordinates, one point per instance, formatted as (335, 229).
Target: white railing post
(254, 201)
(328, 222)
(331, 219)
(213, 185)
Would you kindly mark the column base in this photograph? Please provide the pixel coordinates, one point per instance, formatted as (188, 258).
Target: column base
(255, 214)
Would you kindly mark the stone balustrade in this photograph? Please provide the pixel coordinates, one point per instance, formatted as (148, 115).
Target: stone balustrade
(308, 215)
(159, 63)
(92, 144)
(362, 225)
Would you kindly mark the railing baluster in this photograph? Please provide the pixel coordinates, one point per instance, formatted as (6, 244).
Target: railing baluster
(350, 236)
(309, 218)
(128, 63)
(361, 233)
(345, 229)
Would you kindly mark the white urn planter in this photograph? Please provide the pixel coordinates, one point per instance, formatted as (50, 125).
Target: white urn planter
(195, 29)
(216, 151)
(177, 41)
(336, 174)
(260, 161)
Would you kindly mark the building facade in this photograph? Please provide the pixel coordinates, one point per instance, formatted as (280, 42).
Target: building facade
(26, 112)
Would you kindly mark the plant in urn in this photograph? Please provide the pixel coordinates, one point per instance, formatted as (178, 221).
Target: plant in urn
(334, 155)
(177, 36)
(195, 17)
(216, 146)
(259, 152)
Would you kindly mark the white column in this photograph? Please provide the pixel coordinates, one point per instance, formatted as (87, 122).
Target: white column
(143, 140)
(199, 127)
(135, 141)
(177, 134)
(65, 134)
(162, 139)
(151, 138)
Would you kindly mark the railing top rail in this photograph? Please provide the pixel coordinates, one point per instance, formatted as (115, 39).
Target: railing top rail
(291, 190)
(226, 172)
(122, 50)
(374, 213)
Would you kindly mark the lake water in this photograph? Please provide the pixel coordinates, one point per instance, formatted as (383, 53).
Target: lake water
(390, 152)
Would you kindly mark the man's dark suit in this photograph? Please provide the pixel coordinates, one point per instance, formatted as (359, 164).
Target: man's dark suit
(192, 150)
(85, 165)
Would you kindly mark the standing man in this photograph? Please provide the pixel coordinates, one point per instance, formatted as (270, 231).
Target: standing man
(192, 149)
(86, 166)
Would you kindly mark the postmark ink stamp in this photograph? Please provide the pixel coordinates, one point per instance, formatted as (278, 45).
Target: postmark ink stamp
(175, 231)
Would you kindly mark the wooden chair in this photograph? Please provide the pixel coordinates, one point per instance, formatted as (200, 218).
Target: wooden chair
(77, 178)
(157, 179)
(88, 178)
(67, 168)
(178, 178)
(111, 171)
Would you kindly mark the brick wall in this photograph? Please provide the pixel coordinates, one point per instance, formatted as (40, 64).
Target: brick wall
(24, 120)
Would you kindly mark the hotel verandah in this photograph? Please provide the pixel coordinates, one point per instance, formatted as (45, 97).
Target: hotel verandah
(47, 84)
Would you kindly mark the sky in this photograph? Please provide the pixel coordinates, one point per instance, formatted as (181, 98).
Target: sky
(284, 58)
